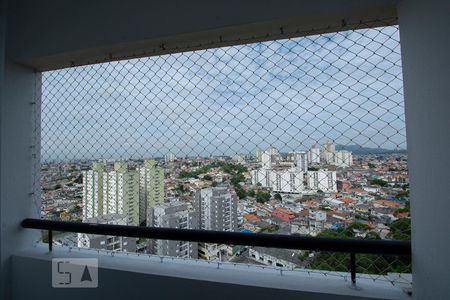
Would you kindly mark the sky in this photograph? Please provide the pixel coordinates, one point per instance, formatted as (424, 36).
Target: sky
(289, 94)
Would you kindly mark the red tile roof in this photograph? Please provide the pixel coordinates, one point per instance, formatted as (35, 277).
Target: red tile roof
(386, 202)
(251, 217)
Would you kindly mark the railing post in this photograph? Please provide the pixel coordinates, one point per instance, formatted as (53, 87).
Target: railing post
(353, 268)
(50, 240)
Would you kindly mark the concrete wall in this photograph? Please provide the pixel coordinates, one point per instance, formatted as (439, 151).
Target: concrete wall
(17, 162)
(133, 285)
(3, 252)
(62, 33)
(424, 34)
(132, 277)
(19, 87)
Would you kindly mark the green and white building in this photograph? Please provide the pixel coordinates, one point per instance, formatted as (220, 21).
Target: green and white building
(93, 190)
(151, 188)
(113, 192)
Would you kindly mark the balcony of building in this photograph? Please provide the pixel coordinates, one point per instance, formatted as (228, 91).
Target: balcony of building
(43, 36)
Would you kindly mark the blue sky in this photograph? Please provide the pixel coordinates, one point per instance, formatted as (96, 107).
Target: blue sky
(290, 94)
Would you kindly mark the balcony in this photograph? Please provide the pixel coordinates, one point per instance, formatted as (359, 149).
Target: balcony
(349, 246)
(39, 38)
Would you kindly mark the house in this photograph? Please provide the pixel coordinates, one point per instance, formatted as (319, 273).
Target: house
(283, 213)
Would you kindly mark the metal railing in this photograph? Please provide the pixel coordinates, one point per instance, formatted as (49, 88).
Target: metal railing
(351, 246)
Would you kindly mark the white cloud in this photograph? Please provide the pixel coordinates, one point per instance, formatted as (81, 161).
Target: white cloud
(289, 93)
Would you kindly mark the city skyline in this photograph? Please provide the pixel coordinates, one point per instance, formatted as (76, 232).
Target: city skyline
(361, 151)
(314, 193)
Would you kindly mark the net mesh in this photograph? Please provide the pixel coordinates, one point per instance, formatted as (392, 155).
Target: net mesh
(295, 136)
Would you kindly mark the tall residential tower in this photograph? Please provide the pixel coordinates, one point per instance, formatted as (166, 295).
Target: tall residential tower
(174, 215)
(151, 188)
(93, 190)
(217, 210)
(113, 192)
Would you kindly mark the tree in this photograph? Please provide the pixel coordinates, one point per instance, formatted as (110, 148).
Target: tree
(262, 196)
(402, 194)
(185, 174)
(79, 179)
(231, 168)
(277, 196)
(404, 209)
(400, 229)
(207, 177)
(236, 179)
(371, 235)
(251, 193)
(194, 174)
(324, 207)
(75, 209)
(379, 182)
(372, 166)
(240, 192)
(180, 188)
(366, 263)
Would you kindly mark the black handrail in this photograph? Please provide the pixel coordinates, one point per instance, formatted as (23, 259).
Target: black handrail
(351, 246)
(235, 238)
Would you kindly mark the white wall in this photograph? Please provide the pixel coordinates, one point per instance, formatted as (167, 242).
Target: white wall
(425, 43)
(18, 85)
(17, 163)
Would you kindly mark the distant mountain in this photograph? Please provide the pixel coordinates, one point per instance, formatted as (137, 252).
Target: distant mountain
(355, 149)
